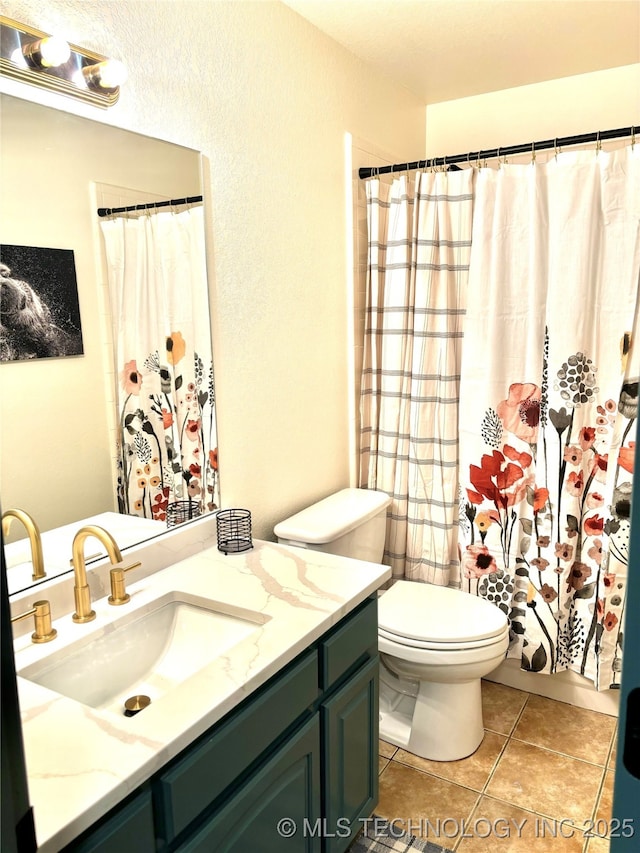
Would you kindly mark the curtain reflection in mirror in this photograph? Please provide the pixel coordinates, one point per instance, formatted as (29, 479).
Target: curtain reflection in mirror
(167, 442)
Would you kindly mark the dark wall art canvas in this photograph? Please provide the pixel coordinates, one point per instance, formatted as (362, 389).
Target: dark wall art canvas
(39, 308)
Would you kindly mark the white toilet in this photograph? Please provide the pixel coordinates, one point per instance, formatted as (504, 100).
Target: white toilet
(435, 643)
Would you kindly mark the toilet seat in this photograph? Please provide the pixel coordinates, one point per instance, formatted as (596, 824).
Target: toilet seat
(425, 616)
(410, 643)
(444, 656)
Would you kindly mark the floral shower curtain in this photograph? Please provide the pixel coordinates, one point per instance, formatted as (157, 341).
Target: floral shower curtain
(419, 242)
(549, 396)
(167, 446)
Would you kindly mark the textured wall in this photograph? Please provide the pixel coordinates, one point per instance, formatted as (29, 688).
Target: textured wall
(268, 99)
(600, 100)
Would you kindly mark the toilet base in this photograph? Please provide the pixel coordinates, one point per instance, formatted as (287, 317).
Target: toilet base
(447, 720)
(442, 722)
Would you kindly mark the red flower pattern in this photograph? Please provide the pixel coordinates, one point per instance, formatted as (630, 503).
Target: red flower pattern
(520, 412)
(505, 477)
(626, 456)
(594, 525)
(494, 479)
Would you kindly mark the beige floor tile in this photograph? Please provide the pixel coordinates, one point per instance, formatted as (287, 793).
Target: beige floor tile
(501, 706)
(567, 729)
(382, 763)
(545, 782)
(424, 805)
(471, 772)
(605, 803)
(498, 827)
(387, 750)
(598, 845)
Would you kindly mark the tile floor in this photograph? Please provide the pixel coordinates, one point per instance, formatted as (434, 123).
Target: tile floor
(543, 767)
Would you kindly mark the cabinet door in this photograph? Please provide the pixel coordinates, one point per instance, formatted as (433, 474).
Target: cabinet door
(209, 767)
(127, 829)
(286, 788)
(350, 756)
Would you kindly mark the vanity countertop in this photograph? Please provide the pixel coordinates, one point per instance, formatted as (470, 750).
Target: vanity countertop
(81, 762)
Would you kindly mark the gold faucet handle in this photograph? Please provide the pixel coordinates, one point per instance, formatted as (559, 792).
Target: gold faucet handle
(41, 611)
(119, 594)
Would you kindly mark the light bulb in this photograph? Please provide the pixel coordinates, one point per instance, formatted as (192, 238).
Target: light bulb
(105, 75)
(48, 52)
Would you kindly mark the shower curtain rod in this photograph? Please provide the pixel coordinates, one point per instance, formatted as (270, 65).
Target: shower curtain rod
(525, 148)
(107, 211)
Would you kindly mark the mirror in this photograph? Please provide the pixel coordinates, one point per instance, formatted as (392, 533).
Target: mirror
(58, 419)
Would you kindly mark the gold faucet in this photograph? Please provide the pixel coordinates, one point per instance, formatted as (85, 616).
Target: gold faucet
(37, 560)
(81, 592)
(42, 612)
(119, 594)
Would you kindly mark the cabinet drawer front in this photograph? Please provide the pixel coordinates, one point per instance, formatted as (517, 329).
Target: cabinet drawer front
(287, 786)
(209, 767)
(349, 643)
(127, 828)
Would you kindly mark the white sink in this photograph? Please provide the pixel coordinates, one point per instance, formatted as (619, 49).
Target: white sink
(149, 651)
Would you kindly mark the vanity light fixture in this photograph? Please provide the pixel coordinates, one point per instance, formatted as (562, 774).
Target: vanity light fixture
(105, 76)
(45, 60)
(47, 52)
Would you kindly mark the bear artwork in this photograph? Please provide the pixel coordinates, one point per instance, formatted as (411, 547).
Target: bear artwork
(27, 326)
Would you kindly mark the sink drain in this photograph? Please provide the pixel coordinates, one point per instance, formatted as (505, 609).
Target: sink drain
(135, 704)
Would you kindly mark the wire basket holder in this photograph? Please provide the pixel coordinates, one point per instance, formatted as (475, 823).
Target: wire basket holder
(233, 528)
(180, 511)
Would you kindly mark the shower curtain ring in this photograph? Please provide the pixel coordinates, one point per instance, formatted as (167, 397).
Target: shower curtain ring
(533, 152)
(598, 143)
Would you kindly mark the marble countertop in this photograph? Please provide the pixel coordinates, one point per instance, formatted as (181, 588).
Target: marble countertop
(82, 761)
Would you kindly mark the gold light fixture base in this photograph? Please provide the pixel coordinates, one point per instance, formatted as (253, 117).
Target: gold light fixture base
(69, 78)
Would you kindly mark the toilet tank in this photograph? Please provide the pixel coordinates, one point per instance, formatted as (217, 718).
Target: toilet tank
(350, 523)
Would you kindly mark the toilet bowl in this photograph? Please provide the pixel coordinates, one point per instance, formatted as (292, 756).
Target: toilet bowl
(435, 643)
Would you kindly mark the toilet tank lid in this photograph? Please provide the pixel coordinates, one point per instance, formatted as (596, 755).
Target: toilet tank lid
(333, 516)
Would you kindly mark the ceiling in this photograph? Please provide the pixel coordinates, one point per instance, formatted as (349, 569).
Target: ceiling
(447, 49)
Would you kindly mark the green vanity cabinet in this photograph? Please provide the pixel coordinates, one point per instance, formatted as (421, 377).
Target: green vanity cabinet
(208, 769)
(128, 825)
(302, 749)
(284, 793)
(350, 756)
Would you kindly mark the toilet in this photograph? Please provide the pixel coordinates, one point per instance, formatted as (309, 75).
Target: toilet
(435, 643)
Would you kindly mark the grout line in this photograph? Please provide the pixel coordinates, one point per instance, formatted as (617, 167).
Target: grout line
(496, 763)
(519, 717)
(557, 752)
(458, 840)
(612, 745)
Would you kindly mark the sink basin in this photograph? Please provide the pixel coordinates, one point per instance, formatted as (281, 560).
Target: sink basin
(149, 651)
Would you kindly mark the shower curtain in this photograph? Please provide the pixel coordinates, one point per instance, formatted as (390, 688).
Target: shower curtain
(419, 241)
(540, 438)
(549, 393)
(167, 446)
